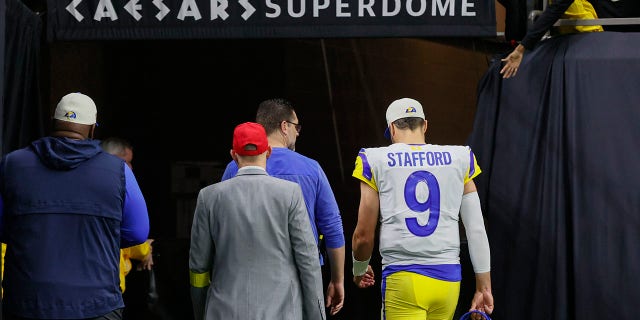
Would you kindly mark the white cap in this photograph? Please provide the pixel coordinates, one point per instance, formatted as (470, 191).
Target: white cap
(402, 108)
(77, 108)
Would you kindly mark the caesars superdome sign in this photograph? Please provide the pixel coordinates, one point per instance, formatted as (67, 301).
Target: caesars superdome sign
(180, 19)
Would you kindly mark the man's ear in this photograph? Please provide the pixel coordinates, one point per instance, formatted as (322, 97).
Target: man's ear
(424, 130)
(92, 131)
(268, 152)
(234, 155)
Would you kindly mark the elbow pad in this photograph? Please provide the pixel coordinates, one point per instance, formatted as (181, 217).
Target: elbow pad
(471, 214)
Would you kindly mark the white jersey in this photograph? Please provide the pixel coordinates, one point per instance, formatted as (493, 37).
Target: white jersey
(420, 189)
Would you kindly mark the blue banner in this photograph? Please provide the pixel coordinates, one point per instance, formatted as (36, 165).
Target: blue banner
(204, 19)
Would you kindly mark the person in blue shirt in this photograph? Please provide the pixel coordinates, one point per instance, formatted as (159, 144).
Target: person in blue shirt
(66, 209)
(279, 119)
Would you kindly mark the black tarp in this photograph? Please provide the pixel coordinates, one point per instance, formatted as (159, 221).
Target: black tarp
(22, 115)
(561, 183)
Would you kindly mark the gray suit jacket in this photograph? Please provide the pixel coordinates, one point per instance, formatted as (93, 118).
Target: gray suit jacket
(252, 233)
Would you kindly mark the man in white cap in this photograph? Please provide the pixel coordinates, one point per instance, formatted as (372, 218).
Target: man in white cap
(66, 208)
(418, 191)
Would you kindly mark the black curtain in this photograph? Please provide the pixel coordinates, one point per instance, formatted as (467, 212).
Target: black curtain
(2, 41)
(616, 9)
(22, 115)
(561, 184)
(2, 34)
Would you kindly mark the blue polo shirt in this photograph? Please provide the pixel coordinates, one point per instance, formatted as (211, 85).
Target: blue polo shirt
(318, 196)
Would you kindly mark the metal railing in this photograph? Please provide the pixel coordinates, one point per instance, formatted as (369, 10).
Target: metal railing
(533, 14)
(597, 22)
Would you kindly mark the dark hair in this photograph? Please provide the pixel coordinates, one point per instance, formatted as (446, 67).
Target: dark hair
(272, 112)
(409, 123)
(114, 145)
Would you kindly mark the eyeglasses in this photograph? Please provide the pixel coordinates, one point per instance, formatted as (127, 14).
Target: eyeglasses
(297, 125)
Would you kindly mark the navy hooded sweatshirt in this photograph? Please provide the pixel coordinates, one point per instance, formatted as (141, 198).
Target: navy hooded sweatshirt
(66, 208)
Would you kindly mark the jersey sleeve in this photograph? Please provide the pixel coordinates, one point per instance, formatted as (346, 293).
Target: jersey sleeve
(474, 168)
(363, 170)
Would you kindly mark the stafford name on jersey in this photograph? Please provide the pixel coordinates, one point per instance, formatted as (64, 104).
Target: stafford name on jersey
(418, 158)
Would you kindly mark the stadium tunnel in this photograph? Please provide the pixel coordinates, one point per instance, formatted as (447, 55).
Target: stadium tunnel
(177, 102)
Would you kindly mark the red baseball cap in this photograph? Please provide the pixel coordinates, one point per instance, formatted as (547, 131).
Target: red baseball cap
(250, 133)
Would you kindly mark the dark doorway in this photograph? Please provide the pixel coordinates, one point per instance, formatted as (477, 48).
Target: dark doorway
(178, 101)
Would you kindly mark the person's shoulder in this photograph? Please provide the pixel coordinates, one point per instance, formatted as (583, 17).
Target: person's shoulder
(296, 162)
(379, 148)
(284, 152)
(454, 151)
(449, 147)
(29, 149)
(19, 156)
(308, 160)
(109, 157)
(280, 183)
(219, 191)
(211, 188)
(218, 187)
(372, 152)
(278, 186)
(112, 163)
(17, 153)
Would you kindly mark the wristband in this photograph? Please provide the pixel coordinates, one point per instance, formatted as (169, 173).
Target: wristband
(359, 267)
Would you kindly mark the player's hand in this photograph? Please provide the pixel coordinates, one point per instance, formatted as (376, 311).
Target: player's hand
(366, 280)
(147, 262)
(512, 62)
(482, 301)
(335, 297)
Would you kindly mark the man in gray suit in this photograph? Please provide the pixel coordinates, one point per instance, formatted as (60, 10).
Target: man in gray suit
(253, 254)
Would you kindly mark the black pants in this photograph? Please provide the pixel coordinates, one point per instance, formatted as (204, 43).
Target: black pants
(113, 315)
(136, 296)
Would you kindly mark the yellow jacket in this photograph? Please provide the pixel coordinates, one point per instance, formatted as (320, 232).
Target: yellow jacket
(4, 250)
(138, 252)
(580, 10)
